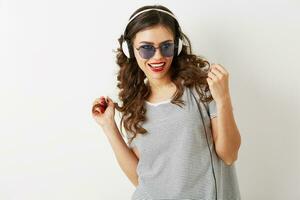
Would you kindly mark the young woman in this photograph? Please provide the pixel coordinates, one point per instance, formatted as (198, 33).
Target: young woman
(177, 113)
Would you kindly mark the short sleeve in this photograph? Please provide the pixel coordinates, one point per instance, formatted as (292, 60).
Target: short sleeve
(212, 109)
(132, 144)
(212, 106)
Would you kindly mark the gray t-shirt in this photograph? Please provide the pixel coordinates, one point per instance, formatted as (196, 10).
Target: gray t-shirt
(175, 161)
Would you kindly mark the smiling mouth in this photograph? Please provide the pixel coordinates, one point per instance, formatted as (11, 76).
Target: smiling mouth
(157, 65)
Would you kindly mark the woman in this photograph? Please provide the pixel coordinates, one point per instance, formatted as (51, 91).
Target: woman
(182, 136)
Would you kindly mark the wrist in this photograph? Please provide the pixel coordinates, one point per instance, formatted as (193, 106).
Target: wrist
(109, 125)
(224, 103)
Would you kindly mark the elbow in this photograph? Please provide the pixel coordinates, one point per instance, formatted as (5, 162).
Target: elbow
(229, 162)
(228, 159)
(135, 182)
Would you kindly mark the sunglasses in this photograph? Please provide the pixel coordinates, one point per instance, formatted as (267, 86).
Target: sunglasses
(147, 51)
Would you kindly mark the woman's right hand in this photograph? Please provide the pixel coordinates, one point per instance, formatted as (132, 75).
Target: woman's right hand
(107, 117)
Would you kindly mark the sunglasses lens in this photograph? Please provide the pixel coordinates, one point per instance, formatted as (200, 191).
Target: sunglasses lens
(167, 49)
(147, 51)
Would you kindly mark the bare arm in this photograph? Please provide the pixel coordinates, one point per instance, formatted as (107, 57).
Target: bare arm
(125, 156)
(226, 134)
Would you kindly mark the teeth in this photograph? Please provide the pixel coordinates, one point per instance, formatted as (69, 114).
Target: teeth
(157, 65)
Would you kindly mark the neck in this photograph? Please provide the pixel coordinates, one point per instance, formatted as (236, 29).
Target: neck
(160, 85)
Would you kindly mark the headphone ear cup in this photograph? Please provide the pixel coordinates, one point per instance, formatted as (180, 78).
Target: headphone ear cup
(179, 48)
(125, 49)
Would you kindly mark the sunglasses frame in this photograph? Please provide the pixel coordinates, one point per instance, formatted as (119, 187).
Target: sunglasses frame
(155, 48)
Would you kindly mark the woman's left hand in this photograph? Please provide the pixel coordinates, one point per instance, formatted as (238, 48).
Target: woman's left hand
(218, 79)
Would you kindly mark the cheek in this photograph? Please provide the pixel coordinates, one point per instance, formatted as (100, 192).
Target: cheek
(169, 60)
(142, 64)
(136, 54)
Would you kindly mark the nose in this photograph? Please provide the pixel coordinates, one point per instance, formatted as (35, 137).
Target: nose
(157, 55)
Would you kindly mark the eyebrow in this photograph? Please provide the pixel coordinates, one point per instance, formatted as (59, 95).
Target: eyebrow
(153, 43)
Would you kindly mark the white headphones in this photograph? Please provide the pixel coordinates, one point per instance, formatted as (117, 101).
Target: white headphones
(125, 47)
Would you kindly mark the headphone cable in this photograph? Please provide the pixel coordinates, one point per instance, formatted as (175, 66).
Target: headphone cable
(207, 144)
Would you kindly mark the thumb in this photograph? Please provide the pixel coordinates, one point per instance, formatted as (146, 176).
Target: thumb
(110, 101)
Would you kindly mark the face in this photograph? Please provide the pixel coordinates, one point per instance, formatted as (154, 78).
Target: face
(157, 66)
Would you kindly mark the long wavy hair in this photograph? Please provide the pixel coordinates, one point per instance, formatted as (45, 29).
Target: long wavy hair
(187, 70)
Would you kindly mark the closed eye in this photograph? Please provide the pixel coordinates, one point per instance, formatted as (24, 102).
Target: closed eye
(146, 46)
(167, 45)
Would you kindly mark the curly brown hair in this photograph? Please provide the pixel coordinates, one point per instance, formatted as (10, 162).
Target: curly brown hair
(187, 70)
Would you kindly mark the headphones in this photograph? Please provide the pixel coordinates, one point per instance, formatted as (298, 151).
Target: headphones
(125, 44)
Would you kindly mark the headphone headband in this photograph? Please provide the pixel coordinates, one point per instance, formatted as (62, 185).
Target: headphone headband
(125, 46)
(161, 10)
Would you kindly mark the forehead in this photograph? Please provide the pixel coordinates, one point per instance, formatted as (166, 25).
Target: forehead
(156, 35)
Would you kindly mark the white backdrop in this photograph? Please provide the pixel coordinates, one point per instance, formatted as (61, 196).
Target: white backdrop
(56, 58)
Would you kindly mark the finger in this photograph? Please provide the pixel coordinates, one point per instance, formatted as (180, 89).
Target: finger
(102, 99)
(99, 100)
(221, 69)
(212, 66)
(212, 76)
(96, 109)
(216, 72)
(96, 101)
(110, 101)
(209, 81)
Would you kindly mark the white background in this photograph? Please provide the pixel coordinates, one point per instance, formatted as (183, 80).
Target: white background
(57, 56)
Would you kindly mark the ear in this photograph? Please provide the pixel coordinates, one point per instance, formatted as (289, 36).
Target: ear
(131, 50)
(179, 46)
(125, 48)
